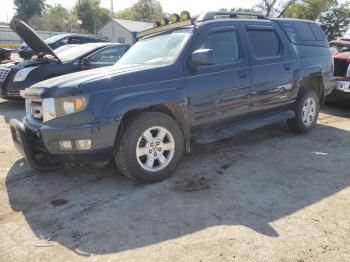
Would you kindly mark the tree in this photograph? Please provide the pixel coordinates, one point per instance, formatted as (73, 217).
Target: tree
(92, 15)
(309, 9)
(274, 8)
(55, 18)
(127, 14)
(143, 10)
(26, 9)
(335, 22)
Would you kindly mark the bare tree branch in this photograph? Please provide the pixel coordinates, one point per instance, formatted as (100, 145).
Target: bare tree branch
(269, 5)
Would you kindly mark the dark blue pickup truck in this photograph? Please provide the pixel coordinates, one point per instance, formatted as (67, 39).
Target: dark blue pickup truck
(199, 80)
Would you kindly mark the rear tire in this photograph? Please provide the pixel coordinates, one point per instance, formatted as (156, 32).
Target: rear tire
(307, 108)
(150, 148)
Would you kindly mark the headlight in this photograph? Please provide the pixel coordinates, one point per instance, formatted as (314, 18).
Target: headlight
(58, 107)
(22, 74)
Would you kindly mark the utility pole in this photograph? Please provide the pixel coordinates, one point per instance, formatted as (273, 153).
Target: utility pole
(112, 8)
(112, 14)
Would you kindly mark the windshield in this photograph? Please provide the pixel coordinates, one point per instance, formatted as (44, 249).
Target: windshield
(75, 52)
(54, 39)
(158, 50)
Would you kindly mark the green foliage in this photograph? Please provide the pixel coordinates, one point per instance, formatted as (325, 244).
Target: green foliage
(92, 15)
(54, 18)
(26, 9)
(275, 8)
(143, 10)
(127, 14)
(309, 9)
(335, 22)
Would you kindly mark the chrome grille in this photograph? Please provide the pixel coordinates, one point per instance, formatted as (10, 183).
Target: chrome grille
(4, 71)
(14, 93)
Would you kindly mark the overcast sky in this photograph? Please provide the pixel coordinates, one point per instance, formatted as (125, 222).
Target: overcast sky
(170, 6)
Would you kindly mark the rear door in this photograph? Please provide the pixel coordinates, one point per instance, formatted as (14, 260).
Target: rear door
(272, 67)
(220, 92)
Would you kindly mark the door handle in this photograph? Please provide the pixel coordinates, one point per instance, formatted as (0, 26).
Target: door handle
(242, 74)
(286, 67)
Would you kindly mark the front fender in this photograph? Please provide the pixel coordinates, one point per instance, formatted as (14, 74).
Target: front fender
(120, 105)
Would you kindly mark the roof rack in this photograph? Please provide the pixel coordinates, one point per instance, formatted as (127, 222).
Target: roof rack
(165, 28)
(221, 14)
(192, 21)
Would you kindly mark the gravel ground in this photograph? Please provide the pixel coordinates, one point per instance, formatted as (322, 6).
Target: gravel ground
(270, 195)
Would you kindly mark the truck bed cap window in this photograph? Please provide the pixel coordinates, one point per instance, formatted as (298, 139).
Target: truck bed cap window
(302, 32)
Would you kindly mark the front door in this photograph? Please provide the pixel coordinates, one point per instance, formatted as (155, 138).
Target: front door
(220, 92)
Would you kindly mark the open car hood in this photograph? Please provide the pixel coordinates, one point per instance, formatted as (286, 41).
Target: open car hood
(33, 40)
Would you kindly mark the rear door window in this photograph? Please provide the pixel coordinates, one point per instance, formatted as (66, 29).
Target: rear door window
(264, 42)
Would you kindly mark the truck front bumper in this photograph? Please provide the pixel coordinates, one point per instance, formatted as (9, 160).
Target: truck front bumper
(44, 141)
(22, 141)
(341, 92)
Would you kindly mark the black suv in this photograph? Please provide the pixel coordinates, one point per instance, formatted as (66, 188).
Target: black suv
(57, 41)
(198, 80)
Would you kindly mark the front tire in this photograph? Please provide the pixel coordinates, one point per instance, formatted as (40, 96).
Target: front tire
(307, 108)
(150, 148)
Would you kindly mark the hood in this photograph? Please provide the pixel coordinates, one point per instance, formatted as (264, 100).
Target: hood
(68, 85)
(32, 39)
(342, 56)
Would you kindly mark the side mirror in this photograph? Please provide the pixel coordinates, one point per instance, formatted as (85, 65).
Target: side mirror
(85, 61)
(202, 57)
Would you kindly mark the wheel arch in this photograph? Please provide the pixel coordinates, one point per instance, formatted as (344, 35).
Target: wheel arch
(172, 102)
(174, 110)
(311, 78)
(314, 82)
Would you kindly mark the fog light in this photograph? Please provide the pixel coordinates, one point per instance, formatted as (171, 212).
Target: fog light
(164, 21)
(66, 145)
(185, 15)
(156, 24)
(174, 18)
(84, 144)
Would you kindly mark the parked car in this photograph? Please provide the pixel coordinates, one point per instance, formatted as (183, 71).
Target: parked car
(197, 80)
(26, 52)
(341, 55)
(63, 48)
(5, 54)
(15, 77)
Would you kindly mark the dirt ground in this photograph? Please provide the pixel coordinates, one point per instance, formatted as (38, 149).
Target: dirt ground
(270, 195)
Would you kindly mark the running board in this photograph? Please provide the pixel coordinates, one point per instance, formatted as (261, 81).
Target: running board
(219, 134)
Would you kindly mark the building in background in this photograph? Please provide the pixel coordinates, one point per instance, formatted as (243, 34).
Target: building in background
(123, 31)
(8, 38)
